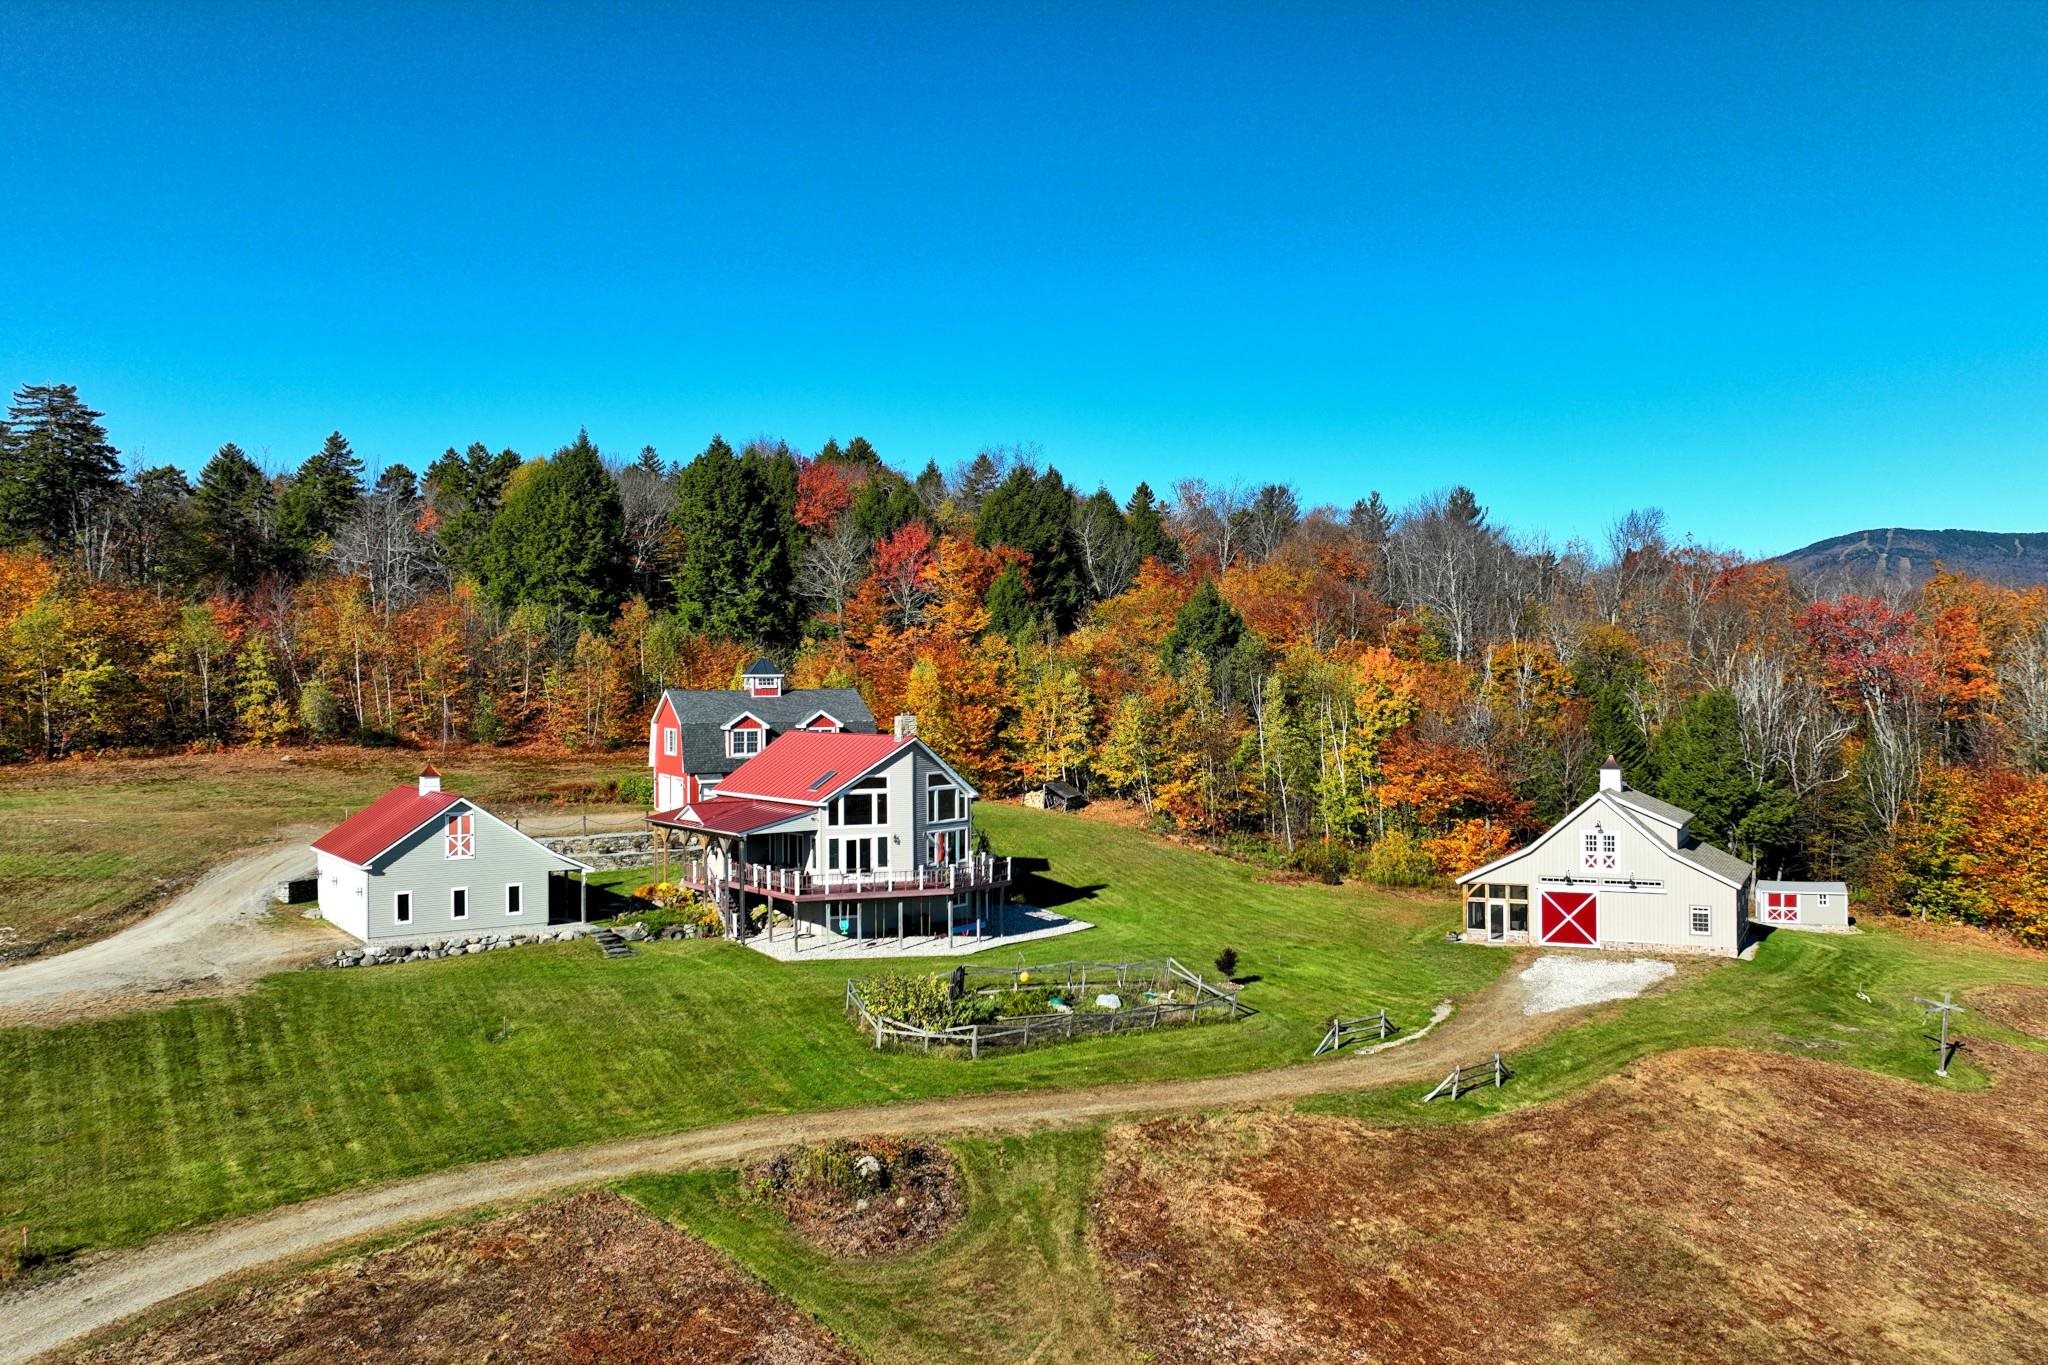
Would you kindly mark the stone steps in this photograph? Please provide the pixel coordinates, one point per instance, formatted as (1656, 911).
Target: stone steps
(610, 944)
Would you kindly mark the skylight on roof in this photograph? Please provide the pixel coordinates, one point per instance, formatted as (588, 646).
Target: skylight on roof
(827, 776)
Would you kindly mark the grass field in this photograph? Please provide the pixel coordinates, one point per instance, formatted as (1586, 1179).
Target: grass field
(111, 1131)
(1016, 1280)
(86, 846)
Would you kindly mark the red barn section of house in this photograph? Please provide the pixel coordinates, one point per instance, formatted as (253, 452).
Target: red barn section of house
(696, 738)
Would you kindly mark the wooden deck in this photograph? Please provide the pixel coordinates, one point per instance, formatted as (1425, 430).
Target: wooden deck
(982, 871)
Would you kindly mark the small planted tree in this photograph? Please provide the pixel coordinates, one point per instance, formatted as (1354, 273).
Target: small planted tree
(1226, 962)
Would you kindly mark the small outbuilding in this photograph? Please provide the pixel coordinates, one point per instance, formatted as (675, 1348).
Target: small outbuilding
(420, 862)
(1801, 905)
(1062, 796)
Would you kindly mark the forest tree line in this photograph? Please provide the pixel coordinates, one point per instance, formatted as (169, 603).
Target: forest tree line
(1399, 694)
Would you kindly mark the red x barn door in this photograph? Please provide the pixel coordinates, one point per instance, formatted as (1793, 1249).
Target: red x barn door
(1571, 918)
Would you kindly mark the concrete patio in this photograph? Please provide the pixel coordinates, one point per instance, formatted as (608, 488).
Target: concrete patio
(818, 943)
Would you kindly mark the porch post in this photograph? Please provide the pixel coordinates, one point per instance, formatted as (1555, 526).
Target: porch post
(949, 921)
(899, 924)
(583, 896)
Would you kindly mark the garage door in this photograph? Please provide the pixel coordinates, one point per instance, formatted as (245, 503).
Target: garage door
(1570, 918)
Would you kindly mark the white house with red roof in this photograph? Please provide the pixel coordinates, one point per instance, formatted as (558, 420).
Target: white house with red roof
(858, 836)
(420, 862)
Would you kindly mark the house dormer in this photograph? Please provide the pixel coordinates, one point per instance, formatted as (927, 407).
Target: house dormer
(745, 735)
(762, 679)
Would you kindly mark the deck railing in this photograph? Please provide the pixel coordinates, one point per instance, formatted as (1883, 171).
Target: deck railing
(980, 870)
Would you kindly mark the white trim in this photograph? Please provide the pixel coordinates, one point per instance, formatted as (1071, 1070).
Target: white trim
(396, 898)
(840, 724)
(744, 715)
(1692, 920)
(453, 892)
(732, 747)
(458, 836)
(510, 887)
(671, 741)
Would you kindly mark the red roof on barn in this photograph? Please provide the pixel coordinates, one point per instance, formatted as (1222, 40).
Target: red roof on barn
(383, 823)
(809, 765)
(730, 815)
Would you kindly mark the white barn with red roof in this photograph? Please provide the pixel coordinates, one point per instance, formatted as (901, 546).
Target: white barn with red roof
(850, 836)
(420, 862)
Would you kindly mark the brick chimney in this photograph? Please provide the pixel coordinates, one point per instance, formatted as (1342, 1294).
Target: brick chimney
(906, 726)
(430, 780)
(1610, 774)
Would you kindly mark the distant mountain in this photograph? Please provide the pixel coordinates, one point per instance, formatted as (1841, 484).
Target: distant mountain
(1897, 555)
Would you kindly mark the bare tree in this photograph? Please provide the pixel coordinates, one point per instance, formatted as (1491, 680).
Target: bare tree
(1268, 519)
(1109, 552)
(2023, 681)
(1436, 560)
(1790, 731)
(1208, 520)
(382, 541)
(832, 567)
(647, 497)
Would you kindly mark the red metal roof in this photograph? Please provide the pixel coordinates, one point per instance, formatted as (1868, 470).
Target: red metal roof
(808, 765)
(730, 815)
(383, 823)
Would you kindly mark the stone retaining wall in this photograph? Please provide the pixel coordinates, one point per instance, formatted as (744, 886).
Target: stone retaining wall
(603, 852)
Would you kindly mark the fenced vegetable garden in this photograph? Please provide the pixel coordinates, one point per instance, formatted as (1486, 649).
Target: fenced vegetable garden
(1026, 1005)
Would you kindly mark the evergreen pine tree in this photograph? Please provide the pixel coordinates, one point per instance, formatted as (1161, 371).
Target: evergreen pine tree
(559, 540)
(466, 491)
(1034, 513)
(319, 497)
(1371, 518)
(236, 505)
(59, 477)
(1010, 613)
(733, 580)
(1144, 515)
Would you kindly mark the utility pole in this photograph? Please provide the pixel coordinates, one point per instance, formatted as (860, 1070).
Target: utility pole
(1943, 1007)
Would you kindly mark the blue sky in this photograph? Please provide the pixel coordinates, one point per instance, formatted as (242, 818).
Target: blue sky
(1781, 270)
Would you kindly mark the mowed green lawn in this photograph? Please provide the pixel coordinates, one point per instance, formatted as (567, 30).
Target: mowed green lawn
(116, 1130)
(86, 846)
(1016, 1280)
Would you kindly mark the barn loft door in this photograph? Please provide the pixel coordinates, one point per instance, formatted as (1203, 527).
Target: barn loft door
(1781, 907)
(1569, 918)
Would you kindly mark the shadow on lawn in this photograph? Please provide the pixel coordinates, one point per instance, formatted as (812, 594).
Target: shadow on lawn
(1034, 888)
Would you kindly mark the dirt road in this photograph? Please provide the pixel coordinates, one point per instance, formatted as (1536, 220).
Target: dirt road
(122, 1284)
(220, 934)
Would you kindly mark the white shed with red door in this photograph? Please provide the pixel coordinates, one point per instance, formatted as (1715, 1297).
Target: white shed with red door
(1801, 905)
(1622, 871)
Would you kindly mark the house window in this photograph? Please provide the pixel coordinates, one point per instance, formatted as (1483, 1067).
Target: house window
(1475, 913)
(831, 855)
(462, 836)
(866, 804)
(401, 908)
(882, 850)
(743, 743)
(946, 801)
(668, 740)
(458, 903)
(1518, 909)
(948, 845)
(514, 894)
(1702, 920)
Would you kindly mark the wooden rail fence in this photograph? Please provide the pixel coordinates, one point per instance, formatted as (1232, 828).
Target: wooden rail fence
(1158, 975)
(1463, 1078)
(1342, 1031)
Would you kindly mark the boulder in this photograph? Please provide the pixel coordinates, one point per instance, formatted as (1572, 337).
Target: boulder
(474, 948)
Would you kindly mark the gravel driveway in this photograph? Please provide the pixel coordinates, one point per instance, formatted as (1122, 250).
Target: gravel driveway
(220, 934)
(1562, 981)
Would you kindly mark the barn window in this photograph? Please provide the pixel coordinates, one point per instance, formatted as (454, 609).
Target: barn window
(1824, 898)
(668, 740)
(1475, 913)
(458, 902)
(462, 836)
(1702, 920)
(514, 894)
(401, 907)
(743, 743)
(1518, 909)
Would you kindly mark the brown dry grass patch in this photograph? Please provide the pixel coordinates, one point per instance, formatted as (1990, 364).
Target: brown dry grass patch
(1708, 1205)
(2023, 1008)
(582, 1280)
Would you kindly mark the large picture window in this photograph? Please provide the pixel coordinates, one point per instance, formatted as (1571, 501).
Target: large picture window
(947, 845)
(462, 836)
(866, 804)
(946, 801)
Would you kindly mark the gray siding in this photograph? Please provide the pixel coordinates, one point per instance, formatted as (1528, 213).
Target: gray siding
(419, 864)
